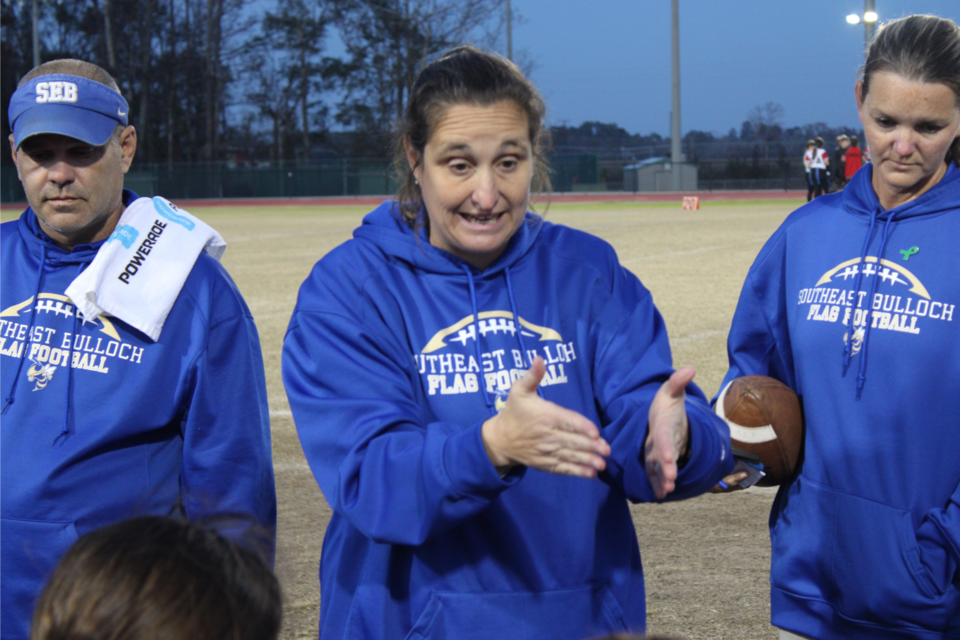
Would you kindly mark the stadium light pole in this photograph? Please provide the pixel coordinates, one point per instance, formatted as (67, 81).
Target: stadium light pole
(675, 115)
(869, 21)
(509, 32)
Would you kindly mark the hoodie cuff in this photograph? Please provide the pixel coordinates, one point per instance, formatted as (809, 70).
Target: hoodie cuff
(470, 470)
(710, 457)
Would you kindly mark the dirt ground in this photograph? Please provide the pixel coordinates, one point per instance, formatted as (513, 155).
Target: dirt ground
(705, 559)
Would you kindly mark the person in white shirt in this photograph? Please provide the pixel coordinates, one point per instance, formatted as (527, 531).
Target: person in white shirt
(807, 159)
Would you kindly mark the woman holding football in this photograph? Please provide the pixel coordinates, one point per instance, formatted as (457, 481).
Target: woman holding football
(853, 304)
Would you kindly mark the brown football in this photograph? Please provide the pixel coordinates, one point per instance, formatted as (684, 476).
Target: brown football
(764, 418)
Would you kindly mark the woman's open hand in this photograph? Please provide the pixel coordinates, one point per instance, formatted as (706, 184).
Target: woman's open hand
(668, 432)
(537, 433)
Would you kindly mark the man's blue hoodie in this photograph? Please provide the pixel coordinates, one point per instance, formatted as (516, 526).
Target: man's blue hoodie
(397, 353)
(855, 308)
(101, 423)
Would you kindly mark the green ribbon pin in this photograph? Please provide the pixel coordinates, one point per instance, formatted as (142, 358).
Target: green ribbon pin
(909, 252)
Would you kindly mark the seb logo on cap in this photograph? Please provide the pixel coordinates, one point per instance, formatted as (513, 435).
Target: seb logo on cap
(56, 92)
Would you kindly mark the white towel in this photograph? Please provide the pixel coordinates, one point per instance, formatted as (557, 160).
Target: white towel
(139, 271)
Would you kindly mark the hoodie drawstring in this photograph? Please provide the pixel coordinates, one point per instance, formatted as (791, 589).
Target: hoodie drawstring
(33, 317)
(516, 322)
(476, 339)
(65, 431)
(848, 347)
(491, 405)
(862, 372)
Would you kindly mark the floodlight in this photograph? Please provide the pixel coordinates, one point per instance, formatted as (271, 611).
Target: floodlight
(854, 18)
(870, 16)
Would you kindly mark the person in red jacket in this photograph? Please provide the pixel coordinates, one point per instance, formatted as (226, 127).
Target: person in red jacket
(853, 158)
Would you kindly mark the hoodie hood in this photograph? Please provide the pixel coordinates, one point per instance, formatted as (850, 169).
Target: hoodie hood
(859, 196)
(386, 228)
(38, 242)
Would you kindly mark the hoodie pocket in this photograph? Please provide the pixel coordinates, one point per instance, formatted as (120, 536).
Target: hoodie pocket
(29, 552)
(576, 613)
(801, 540)
(858, 555)
(879, 576)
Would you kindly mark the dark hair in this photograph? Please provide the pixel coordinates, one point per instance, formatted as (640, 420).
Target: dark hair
(159, 578)
(921, 48)
(854, 141)
(819, 142)
(70, 66)
(465, 75)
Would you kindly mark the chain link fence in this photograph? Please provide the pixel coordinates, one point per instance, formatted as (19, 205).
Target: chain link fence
(373, 176)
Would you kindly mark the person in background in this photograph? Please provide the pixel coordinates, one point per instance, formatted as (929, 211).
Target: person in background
(133, 380)
(479, 392)
(853, 158)
(866, 540)
(819, 169)
(150, 577)
(807, 159)
(837, 166)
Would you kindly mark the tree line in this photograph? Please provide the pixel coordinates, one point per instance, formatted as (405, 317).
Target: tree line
(208, 80)
(252, 80)
(761, 135)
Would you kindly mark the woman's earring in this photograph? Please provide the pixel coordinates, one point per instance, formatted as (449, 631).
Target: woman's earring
(416, 182)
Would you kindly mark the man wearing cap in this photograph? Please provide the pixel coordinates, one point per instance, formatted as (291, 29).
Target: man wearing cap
(131, 369)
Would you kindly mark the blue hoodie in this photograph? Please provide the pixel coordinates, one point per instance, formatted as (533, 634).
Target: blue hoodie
(397, 353)
(133, 427)
(866, 541)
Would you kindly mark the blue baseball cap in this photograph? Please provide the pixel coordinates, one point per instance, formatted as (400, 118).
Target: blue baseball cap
(67, 105)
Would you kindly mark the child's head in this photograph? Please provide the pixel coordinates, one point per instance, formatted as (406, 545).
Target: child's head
(158, 578)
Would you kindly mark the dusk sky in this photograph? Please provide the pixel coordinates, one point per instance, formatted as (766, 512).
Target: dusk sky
(609, 60)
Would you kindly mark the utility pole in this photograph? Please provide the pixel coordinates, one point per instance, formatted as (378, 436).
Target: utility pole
(675, 115)
(509, 32)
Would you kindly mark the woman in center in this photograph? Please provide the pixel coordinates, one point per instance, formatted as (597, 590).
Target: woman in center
(479, 392)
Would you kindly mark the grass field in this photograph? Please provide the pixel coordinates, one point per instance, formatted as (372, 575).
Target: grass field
(705, 559)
